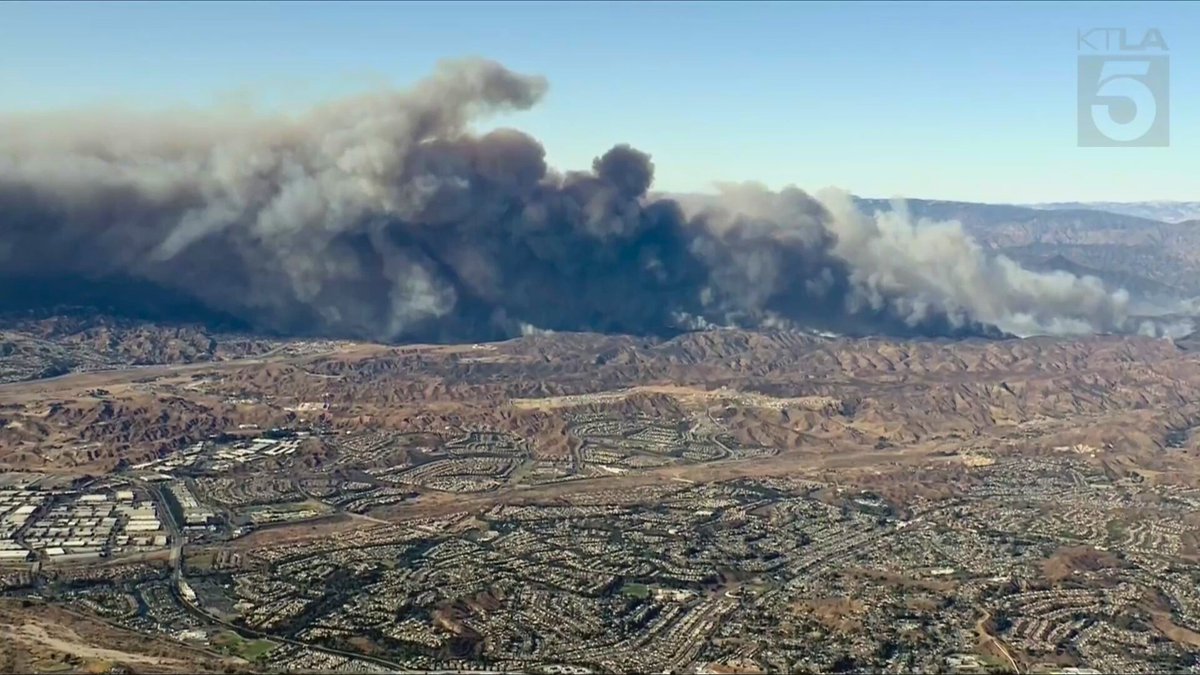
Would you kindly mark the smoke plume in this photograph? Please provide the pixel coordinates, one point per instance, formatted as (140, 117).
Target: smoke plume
(384, 217)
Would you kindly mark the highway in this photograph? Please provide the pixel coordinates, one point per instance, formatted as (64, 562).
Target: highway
(177, 559)
(249, 633)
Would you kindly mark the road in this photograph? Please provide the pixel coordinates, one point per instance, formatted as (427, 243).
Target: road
(981, 626)
(177, 559)
(101, 376)
(168, 520)
(112, 624)
(242, 631)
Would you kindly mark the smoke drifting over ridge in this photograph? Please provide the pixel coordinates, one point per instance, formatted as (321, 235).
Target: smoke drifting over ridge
(382, 217)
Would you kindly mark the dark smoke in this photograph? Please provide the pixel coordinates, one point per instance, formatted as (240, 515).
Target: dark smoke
(383, 217)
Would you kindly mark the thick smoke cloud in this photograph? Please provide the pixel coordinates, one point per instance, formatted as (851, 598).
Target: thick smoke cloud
(383, 217)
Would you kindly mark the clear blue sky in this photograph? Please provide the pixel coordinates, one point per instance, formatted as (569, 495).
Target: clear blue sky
(970, 101)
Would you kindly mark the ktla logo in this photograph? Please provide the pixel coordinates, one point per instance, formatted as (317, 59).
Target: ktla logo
(1124, 89)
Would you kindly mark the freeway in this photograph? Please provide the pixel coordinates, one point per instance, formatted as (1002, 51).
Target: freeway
(250, 633)
(177, 559)
(168, 520)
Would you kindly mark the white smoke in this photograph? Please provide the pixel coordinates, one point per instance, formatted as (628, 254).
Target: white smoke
(383, 216)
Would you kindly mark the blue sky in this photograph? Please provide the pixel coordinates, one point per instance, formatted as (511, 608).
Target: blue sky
(954, 101)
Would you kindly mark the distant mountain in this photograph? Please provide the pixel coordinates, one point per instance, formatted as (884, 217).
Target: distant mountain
(1167, 212)
(1189, 342)
(1135, 284)
(1143, 255)
(978, 216)
(986, 218)
(1148, 257)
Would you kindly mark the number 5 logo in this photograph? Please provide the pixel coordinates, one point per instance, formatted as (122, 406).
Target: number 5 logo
(1123, 101)
(1122, 80)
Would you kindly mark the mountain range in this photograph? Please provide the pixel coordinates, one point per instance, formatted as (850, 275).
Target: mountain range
(1165, 211)
(1150, 258)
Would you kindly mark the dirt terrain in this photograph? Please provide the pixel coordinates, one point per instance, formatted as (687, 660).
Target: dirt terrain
(908, 421)
(41, 638)
(1107, 397)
